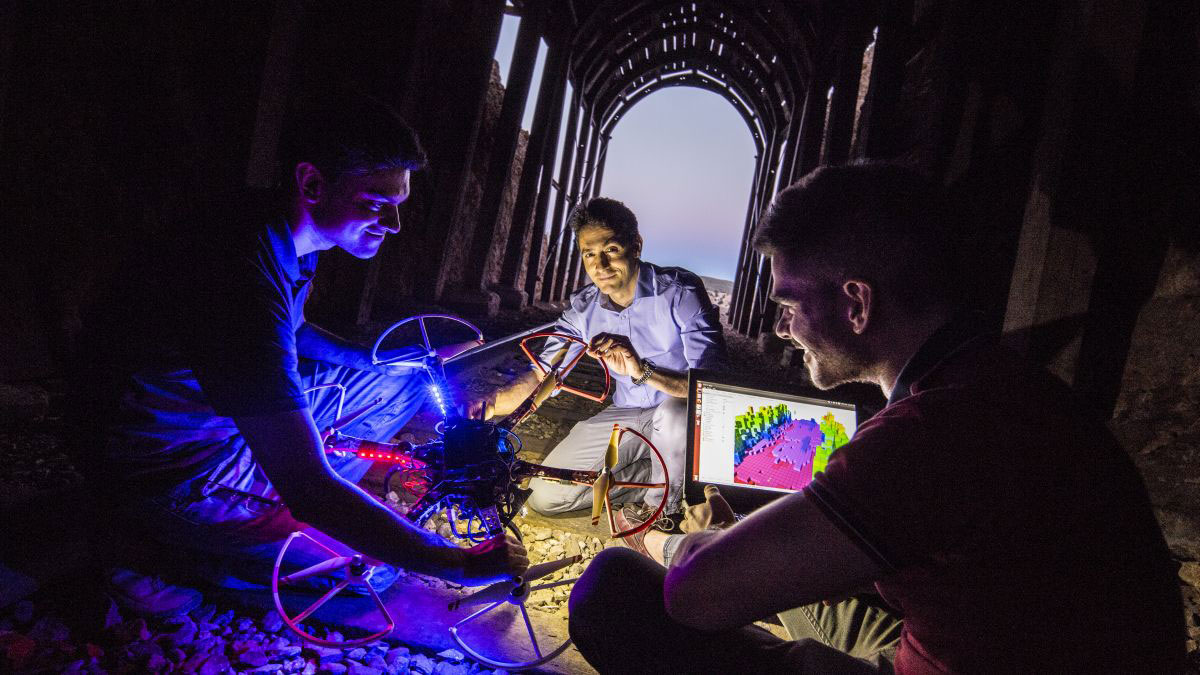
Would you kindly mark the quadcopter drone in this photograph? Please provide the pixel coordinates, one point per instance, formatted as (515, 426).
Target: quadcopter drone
(470, 472)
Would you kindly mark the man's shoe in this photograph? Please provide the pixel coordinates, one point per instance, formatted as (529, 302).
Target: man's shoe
(667, 522)
(625, 523)
(149, 597)
(382, 577)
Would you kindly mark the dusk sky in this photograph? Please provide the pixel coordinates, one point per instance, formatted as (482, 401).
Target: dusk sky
(682, 159)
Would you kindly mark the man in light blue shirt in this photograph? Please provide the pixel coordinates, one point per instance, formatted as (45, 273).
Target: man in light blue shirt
(649, 324)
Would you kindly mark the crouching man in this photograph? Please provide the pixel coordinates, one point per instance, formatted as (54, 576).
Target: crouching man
(649, 324)
(209, 389)
(1000, 523)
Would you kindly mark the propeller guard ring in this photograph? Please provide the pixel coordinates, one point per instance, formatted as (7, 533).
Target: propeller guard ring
(336, 561)
(420, 319)
(614, 533)
(516, 592)
(569, 366)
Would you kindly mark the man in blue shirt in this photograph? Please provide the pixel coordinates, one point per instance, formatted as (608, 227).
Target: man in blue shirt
(211, 388)
(650, 324)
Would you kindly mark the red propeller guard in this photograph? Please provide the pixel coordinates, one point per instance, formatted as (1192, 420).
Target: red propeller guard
(566, 368)
(612, 525)
(336, 561)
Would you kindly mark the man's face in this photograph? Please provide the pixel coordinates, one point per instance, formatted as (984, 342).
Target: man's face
(357, 212)
(609, 264)
(814, 317)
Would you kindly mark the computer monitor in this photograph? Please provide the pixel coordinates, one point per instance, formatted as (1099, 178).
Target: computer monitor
(757, 443)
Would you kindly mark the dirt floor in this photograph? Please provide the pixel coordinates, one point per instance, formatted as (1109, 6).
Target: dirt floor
(53, 618)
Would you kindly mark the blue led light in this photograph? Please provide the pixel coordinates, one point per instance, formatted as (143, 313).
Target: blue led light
(436, 391)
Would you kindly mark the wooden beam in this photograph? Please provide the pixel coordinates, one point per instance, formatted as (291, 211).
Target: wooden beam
(562, 278)
(469, 60)
(568, 154)
(484, 248)
(525, 239)
(835, 148)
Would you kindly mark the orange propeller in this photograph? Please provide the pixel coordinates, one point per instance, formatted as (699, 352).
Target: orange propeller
(600, 487)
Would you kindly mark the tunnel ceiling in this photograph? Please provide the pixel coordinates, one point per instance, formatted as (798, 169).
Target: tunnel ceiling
(754, 54)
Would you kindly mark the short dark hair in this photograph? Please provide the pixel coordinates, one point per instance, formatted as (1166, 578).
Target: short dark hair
(609, 213)
(349, 133)
(878, 221)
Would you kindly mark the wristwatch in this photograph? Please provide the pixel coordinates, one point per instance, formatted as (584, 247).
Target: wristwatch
(647, 370)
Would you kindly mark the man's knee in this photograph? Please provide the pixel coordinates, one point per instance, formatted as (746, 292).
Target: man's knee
(610, 579)
(550, 498)
(671, 417)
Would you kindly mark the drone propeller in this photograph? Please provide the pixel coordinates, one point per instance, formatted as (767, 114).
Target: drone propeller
(496, 592)
(551, 381)
(326, 567)
(501, 590)
(600, 487)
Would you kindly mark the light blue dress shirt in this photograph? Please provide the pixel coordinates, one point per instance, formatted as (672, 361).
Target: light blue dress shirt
(671, 322)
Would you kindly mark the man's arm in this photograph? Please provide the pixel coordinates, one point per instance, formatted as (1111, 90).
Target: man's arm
(318, 344)
(288, 447)
(669, 382)
(700, 329)
(784, 555)
(504, 400)
(620, 356)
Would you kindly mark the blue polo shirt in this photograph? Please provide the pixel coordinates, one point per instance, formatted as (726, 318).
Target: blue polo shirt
(200, 328)
(671, 322)
(243, 350)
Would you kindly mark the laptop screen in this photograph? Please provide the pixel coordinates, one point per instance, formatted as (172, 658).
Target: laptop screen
(750, 438)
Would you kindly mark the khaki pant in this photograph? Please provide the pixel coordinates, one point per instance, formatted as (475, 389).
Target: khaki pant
(584, 447)
(859, 626)
(620, 625)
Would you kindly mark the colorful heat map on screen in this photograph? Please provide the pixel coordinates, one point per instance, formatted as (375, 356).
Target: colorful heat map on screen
(772, 449)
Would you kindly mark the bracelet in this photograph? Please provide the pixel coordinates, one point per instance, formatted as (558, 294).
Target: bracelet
(647, 371)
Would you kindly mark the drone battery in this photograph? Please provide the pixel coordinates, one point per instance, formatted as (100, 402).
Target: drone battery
(469, 442)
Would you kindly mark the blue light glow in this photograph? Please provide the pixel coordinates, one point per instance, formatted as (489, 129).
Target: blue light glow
(438, 398)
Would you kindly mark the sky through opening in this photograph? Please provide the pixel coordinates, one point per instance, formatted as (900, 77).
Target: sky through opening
(682, 159)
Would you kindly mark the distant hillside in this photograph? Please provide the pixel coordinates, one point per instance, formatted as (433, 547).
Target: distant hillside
(717, 285)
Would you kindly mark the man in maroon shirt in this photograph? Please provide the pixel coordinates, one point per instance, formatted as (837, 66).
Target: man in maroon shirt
(992, 513)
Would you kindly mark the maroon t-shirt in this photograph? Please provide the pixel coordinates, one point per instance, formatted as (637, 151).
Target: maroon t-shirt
(1018, 534)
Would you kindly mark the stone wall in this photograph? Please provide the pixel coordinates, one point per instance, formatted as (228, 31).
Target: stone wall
(1157, 416)
(395, 291)
(115, 124)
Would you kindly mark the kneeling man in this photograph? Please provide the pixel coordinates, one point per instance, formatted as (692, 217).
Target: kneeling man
(649, 324)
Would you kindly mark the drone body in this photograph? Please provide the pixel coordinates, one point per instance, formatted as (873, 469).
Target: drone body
(471, 473)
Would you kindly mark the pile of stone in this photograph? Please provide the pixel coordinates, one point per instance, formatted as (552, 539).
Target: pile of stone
(207, 641)
(33, 455)
(545, 544)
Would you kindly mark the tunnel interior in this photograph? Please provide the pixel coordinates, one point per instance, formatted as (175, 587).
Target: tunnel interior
(1067, 130)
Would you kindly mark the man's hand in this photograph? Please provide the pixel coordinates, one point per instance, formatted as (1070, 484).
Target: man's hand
(479, 406)
(618, 354)
(502, 402)
(714, 512)
(499, 558)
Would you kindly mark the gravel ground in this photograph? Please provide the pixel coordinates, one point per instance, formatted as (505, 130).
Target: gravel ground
(47, 633)
(40, 632)
(209, 640)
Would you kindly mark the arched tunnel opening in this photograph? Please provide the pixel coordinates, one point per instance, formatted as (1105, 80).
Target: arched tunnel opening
(701, 157)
